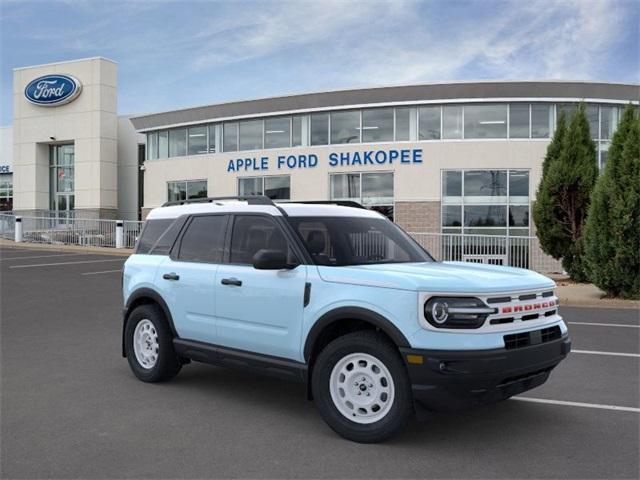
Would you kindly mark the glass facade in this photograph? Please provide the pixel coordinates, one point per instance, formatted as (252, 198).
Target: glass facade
(62, 179)
(186, 190)
(374, 190)
(382, 124)
(6, 192)
(276, 187)
(486, 202)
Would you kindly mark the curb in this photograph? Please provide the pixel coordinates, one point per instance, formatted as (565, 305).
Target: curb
(124, 252)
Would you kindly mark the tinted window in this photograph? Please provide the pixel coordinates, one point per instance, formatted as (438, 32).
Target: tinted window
(377, 125)
(485, 121)
(403, 122)
(252, 233)
(345, 127)
(204, 239)
(152, 231)
(168, 238)
(320, 129)
(340, 241)
(519, 120)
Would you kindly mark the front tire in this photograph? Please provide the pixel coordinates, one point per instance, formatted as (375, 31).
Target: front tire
(361, 387)
(149, 345)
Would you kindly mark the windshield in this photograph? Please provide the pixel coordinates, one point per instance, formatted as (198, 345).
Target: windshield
(341, 241)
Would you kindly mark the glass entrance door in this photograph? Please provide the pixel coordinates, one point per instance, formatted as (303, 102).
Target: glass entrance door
(62, 176)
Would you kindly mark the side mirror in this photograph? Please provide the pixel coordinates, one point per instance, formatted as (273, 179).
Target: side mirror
(271, 260)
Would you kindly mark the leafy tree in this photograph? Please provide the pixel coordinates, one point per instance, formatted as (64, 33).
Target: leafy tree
(563, 196)
(612, 232)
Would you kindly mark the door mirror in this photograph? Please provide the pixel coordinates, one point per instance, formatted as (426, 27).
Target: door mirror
(271, 260)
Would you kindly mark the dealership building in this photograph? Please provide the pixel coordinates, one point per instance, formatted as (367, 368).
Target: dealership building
(460, 157)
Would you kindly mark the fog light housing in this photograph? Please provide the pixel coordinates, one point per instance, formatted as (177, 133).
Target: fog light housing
(456, 312)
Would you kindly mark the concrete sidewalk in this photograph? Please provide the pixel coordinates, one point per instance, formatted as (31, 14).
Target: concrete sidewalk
(569, 293)
(125, 252)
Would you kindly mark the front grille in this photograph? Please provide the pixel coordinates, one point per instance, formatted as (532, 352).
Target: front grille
(525, 339)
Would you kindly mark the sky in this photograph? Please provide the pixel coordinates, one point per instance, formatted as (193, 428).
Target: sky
(176, 54)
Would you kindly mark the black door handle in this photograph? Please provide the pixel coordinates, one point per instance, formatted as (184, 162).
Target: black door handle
(231, 281)
(171, 276)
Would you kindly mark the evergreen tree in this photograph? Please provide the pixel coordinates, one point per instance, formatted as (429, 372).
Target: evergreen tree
(564, 194)
(548, 231)
(612, 232)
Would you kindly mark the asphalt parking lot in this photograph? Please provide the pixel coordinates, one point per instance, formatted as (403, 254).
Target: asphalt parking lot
(70, 407)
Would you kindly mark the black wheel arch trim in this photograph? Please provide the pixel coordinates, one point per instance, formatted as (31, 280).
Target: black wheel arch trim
(353, 313)
(150, 294)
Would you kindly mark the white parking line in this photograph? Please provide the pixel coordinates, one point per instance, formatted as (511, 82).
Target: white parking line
(614, 354)
(67, 263)
(104, 271)
(604, 324)
(42, 256)
(577, 404)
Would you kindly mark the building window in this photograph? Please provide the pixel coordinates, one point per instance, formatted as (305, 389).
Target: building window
(486, 202)
(152, 146)
(519, 120)
(251, 135)
(485, 121)
(320, 129)
(374, 190)
(429, 123)
(403, 124)
(345, 127)
(6, 192)
(452, 121)
(197, 140)
(277, 132)
(230, 137)
(276, 187)
(178, 142)
(296, 131)
(212, 138)
(163, 144)
(186, 190)
(541, 120)
(62, 176)
(608, 122)
(592, 112)
(377, 125)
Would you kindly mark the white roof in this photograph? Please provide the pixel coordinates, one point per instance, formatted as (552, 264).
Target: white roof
(236, 206)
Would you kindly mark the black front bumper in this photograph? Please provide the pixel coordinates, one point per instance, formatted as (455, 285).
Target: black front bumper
(449, 380)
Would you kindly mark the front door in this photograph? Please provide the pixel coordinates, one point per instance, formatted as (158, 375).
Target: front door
(188, 278)
(259, 310)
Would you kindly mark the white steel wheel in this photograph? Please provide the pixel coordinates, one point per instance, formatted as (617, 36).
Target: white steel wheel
(362, 388)
(145, 344)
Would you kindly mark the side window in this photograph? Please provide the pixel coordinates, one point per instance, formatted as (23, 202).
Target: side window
(316, 237)
(252, 233)
(167, 239)
(153, 229)
(203, 240)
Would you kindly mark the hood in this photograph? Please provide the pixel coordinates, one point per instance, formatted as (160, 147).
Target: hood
(454, 277)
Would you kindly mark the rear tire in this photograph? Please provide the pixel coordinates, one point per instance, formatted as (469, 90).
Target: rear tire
(361, 387)
(149, 345)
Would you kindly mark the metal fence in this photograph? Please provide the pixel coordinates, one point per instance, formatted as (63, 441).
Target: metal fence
(71, 231)
(7, 226)
(523, 252)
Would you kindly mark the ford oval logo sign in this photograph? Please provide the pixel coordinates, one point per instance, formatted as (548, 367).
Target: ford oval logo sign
(53, 90)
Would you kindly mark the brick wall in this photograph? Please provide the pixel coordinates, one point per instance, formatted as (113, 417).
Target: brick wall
(418, 216)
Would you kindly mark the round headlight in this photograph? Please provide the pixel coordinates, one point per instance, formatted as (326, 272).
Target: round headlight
(439, 312)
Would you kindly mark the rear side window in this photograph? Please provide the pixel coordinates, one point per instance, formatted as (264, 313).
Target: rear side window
(152, 231)
(168, 238)
(203, 241)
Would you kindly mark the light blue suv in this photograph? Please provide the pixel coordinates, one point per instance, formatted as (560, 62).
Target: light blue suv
(338, 297)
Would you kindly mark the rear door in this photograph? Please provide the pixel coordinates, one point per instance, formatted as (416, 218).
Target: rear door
(188, 277)
(259, 310)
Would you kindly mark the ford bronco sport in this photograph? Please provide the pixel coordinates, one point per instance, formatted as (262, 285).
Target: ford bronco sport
(338, 297)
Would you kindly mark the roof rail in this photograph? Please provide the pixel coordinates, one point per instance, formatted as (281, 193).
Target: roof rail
(250, 199)
(341, 203)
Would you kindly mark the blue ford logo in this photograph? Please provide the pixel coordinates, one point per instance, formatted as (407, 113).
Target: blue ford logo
(53, 90)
